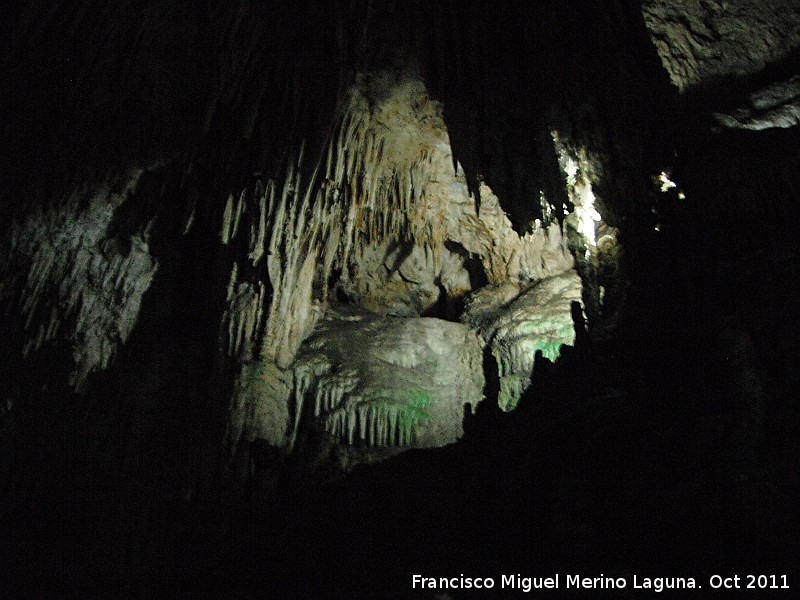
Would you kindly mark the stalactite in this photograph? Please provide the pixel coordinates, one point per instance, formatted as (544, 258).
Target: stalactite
(241, 322)
(258, 229)
(386, 180)
(227, 218)
(538, 320)
(83, 288)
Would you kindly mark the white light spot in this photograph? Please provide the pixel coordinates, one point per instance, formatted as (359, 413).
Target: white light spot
(576, 167)
(666, 182)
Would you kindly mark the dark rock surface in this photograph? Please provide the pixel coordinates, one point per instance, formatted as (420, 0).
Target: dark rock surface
(171, 200)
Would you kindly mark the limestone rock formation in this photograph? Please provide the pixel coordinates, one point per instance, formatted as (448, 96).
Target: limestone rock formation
(383, 381)
(516, 326)
(72, 279)
(706, 40)
(326, 229)
(776, 105)
(386, 221)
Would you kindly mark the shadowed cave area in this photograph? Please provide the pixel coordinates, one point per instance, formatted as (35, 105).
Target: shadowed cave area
(301, 299)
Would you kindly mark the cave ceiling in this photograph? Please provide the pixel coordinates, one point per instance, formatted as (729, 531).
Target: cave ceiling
(234, 222)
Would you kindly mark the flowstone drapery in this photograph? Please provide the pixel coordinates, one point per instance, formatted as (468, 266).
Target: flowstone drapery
(384, 220)
(384, 381)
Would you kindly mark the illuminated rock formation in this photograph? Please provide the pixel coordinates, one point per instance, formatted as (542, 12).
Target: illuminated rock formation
(275, 277)
(388, 381)
(388, 213)
(516, 328)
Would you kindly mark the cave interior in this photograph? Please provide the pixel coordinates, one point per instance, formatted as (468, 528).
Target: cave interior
(299, 299)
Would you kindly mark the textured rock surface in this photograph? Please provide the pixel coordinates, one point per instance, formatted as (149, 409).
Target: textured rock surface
(705, 40)
(518, 325)
(272, 158)
(448, 247)
(777, 105)
(261, 405)
(71, 278)
(385, 219)
(381, 381)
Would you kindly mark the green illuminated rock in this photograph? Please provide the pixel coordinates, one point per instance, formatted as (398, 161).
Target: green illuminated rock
(384, 381)
(537, 320)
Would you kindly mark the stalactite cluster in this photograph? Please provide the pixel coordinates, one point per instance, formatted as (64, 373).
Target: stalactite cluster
(383, 381)
(374, 417)
(246, 246)
(382, 207)
(380, 423)
(69, 280)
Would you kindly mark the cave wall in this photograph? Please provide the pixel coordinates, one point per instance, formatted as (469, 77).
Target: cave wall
(191, 185)
(246, 146)
(703, 43)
